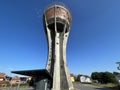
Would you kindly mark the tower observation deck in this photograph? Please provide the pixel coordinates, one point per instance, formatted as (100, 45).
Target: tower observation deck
(57, 21)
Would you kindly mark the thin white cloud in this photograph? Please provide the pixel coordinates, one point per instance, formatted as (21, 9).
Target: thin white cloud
(9, 68)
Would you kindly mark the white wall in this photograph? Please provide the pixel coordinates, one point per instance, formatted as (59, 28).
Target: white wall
(85, 79)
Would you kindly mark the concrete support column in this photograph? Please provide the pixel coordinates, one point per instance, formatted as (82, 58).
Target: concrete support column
(56, 76)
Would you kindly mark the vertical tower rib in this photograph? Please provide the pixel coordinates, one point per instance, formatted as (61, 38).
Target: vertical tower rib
(57, 20)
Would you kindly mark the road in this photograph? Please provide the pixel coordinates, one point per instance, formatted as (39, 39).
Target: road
(88, 87)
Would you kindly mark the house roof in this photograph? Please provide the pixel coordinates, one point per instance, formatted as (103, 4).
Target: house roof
(34, 73)
(83, 75)
(71, 75)
(15, 78)
(2, 74)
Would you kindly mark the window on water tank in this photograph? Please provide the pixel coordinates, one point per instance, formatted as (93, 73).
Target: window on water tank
(51, 26)
(60, 27)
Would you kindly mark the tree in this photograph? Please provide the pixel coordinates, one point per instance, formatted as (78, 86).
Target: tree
(109, 78)
(96, 76)
(103, 77)
(116, 73)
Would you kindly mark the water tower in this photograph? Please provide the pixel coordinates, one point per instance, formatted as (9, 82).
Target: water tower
(57, 21)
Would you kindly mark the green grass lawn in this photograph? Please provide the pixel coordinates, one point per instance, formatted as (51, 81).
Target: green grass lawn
(109, 85)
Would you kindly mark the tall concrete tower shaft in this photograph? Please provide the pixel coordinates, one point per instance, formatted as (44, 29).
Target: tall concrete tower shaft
(57, 20)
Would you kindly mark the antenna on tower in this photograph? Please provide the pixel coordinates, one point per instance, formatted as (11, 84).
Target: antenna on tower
(118, 66)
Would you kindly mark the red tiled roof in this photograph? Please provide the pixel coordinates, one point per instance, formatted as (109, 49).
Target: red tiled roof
(15, 78)
(2, 74)
(72, 75)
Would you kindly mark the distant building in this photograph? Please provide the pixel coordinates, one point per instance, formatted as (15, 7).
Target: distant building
(15, 80)
(2, 77)
(5, 79)
(84, 79)
(29, 78)
(72, 77)
(8, 78)
(118, 78)
(24, 79)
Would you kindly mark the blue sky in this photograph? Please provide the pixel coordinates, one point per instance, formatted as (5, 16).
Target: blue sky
(93, 44)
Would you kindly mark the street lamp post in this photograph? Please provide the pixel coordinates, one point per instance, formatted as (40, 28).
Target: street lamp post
(118, 66)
